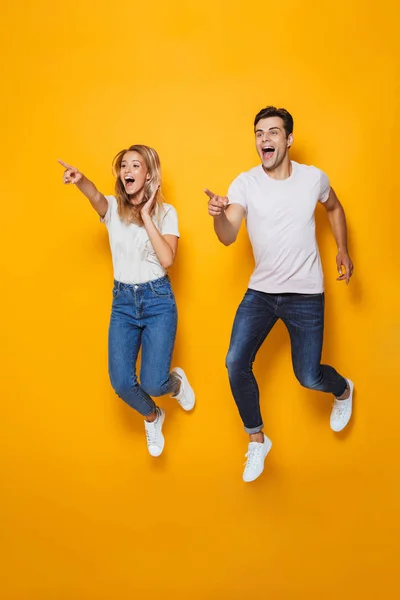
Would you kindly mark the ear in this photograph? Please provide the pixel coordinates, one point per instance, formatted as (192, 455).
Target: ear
(290, 140)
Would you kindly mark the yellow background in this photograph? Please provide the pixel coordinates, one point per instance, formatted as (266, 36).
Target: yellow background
(86, 513)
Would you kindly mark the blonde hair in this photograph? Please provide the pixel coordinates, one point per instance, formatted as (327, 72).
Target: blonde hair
(128, 212)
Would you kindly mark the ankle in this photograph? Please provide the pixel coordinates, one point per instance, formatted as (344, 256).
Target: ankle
(177, 385)
(345, 394)
(153, 417)
(257, 437)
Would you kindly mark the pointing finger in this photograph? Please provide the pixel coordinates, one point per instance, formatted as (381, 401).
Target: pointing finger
(209, 193)
(66, 165)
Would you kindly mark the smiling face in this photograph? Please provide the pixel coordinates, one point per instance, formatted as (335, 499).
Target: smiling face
(133, 174)
(272, 143)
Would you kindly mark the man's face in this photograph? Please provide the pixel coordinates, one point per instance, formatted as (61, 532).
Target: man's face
(271, 142)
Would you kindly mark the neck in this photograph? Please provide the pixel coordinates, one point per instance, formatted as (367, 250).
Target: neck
(282, 171)
(137, 198)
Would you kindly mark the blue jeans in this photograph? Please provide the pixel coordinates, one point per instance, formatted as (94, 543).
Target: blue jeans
(143, 315)
(303, 315)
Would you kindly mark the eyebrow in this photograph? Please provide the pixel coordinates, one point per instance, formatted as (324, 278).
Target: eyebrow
(270, 129)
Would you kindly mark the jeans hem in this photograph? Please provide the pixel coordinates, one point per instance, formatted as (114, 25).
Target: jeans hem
(150, 413)
(345, 389)
(251, 430)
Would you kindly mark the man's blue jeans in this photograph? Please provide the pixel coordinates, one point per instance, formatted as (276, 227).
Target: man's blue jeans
(303, 315)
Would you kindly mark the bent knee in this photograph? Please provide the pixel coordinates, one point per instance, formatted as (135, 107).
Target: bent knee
(122, 386)
(311, 381)
(235, 363)
(154, 388)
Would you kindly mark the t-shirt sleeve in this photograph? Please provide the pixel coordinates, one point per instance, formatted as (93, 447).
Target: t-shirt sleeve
(325, 187)
(106, 219)
(169, 222)
(237, 192)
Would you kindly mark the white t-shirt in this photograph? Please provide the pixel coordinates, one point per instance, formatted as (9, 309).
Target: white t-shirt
(281, 226)
(133, 256)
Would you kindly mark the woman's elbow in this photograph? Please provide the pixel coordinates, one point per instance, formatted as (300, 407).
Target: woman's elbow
(167, 263)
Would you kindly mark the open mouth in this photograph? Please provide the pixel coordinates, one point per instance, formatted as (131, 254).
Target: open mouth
(129, 182)
(268, 152)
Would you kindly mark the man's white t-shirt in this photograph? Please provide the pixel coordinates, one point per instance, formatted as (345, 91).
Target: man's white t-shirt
(133, 256)
(281, 226)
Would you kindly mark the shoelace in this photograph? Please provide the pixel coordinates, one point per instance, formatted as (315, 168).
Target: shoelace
(151, 434)
(339, 407)
(253, 454)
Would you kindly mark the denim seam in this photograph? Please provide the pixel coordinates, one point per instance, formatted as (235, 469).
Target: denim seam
(252, 358)
(329, 381)
(167, 295)
(171, 383)
(135, 383)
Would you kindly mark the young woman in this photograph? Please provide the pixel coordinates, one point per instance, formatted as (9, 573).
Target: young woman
(143, 233)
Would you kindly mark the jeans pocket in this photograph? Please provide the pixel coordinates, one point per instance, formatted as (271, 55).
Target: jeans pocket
(115, 291)
(162, 290)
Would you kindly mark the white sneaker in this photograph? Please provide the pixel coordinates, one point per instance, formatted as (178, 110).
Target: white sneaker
(342, 409)
(185, 396)
(154, 436)
(255, 459)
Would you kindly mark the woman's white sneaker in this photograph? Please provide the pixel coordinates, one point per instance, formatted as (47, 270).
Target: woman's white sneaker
(154, 436)
(342, 409)
(255, 459)
(185, 396)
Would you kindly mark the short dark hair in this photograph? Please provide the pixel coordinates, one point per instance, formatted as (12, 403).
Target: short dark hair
(272, 111)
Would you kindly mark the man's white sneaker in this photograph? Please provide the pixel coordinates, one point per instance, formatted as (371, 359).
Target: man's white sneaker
(154, 436)
(342, 409)
(255, 459)
(185, 396)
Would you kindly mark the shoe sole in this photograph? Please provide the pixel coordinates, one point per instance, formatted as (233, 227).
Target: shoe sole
(187, 386)
(162, 417)
(269, 446)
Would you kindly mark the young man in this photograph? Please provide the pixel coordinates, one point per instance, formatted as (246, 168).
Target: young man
(278, 199)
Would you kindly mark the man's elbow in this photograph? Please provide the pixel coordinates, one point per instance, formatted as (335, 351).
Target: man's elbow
(336, 209)
(227, 241)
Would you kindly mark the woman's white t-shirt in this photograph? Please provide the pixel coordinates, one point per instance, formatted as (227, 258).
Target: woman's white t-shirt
(133, 256)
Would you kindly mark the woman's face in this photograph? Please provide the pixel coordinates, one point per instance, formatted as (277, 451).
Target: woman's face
(134, 174)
